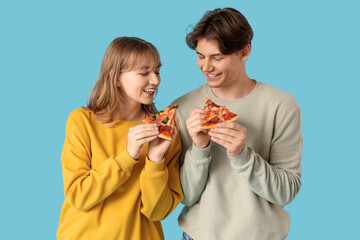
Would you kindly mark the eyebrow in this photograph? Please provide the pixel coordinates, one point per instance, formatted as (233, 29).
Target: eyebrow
(145, 68)
(148, 67)
(212, 55)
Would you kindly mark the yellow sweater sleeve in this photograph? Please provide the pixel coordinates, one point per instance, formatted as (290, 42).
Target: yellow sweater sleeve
(160, 184)
(84, 185)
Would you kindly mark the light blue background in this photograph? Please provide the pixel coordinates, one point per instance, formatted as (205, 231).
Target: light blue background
(50, 55)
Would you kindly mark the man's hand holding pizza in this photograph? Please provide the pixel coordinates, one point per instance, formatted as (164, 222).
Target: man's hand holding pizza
(199, 136)
(230, 135)
(216, 122)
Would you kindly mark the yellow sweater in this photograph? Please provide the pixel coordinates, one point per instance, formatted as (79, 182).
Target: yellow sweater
(108, 194)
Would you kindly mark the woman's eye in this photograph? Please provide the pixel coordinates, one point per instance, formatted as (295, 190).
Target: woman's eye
(144, 74)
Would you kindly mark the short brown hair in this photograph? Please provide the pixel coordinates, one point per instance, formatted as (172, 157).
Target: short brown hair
(227, 26)
(122, 55)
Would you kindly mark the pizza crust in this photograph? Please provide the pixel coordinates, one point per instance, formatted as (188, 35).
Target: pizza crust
(164, 136)
(209, 126)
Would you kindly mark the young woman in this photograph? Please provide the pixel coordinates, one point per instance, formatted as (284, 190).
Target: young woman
(120, 179)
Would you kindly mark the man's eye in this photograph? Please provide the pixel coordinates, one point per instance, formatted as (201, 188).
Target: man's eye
(201, 57)
(218, 58)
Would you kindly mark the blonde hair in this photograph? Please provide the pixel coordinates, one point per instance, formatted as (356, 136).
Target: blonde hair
(123, 54)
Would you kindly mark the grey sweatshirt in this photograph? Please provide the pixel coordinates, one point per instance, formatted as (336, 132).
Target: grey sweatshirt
(242, 197)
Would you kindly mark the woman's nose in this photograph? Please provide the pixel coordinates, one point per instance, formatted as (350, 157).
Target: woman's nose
(155, 79)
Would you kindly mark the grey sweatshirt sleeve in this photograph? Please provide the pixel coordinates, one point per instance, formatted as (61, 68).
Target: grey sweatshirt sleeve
(194, 173)
(279, 179)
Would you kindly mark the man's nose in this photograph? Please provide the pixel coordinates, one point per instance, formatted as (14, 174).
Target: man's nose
(207, 66)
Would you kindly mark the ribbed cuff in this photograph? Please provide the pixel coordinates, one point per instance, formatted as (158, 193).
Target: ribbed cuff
(239, 160)
(125, 161)
(200, 153)
(154, 167)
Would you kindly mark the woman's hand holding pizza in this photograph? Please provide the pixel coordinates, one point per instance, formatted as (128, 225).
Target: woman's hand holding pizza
(230, 135)
(199, 136)
(158, 147)
(138, 136)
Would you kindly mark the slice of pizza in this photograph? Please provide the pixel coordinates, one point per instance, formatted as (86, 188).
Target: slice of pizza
(166, 121)
(215, 114)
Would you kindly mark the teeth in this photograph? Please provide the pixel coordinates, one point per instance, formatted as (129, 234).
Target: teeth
(212, 75)
(149, 90)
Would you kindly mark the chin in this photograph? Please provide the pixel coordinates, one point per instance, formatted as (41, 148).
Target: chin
(214, 84)
(148, 102)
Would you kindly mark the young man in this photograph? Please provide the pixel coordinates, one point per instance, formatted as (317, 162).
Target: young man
(237, 177)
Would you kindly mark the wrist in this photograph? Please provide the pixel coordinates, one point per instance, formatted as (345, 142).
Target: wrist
(154, 158)
(201, 145)
(134, 154)
(237, 153)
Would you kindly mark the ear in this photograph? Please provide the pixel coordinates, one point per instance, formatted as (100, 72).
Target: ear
(112, 75)
(245, 52)
(118, 82)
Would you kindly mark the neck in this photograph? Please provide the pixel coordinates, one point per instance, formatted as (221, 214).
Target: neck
(132, 112)
(236, 90)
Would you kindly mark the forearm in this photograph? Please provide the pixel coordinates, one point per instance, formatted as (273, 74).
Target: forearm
(85, 187)
(194, 173)
(273, 183)
(160, 189)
